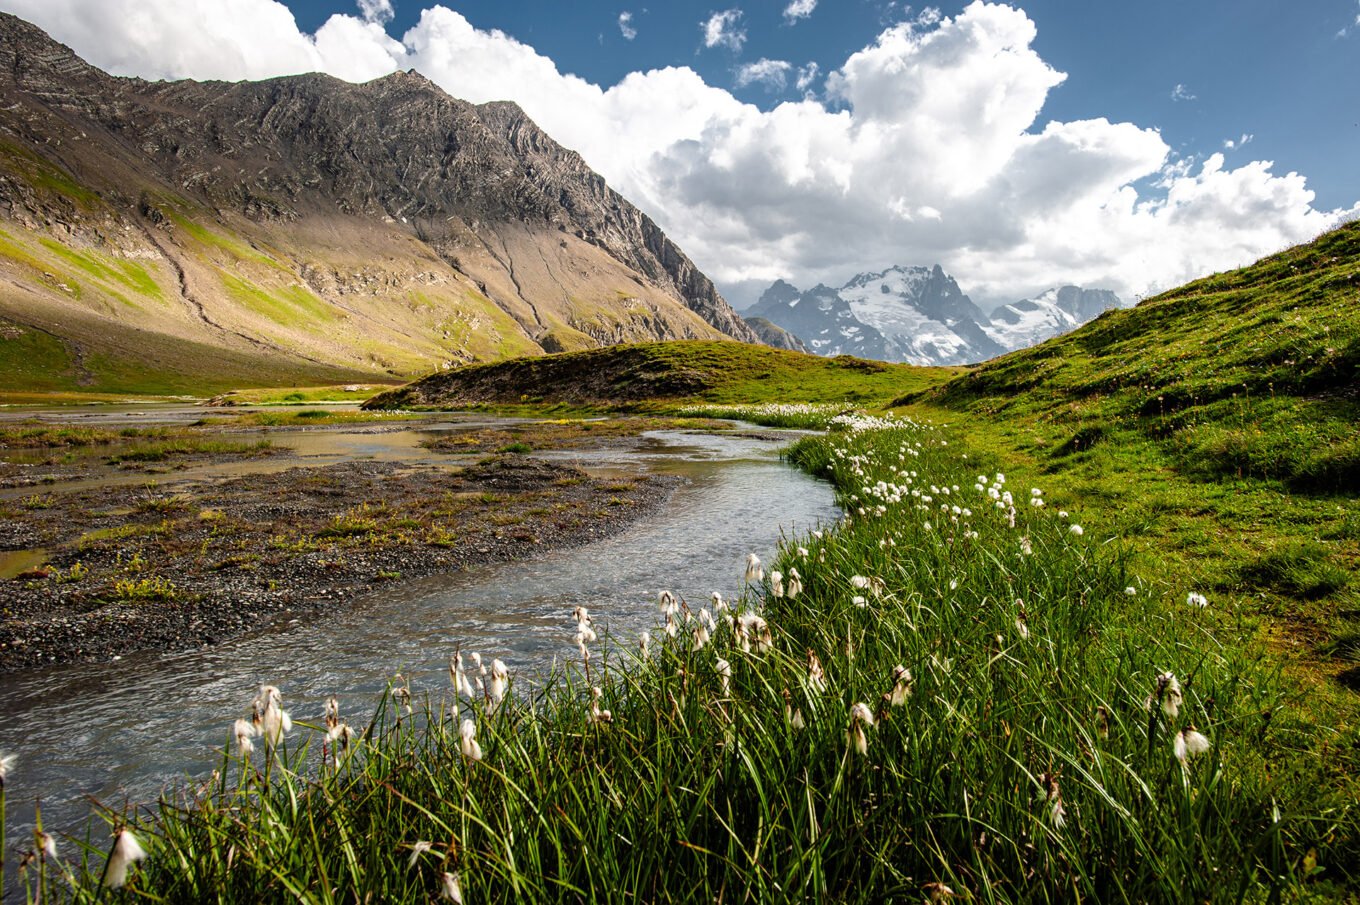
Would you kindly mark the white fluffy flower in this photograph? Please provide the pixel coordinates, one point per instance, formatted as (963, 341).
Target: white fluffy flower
(126, 851)
(1189, 743)
(467, 740)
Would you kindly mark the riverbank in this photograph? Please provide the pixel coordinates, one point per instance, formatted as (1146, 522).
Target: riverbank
(961, 690)
(104, 571)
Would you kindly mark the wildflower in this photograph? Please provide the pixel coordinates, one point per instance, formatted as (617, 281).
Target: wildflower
(401, 693)
(795, 584)
(776, 583)
(1062, 513)
(47, 844)
(1130, 591)
(645, 644)
(724, 670)
(467, 740)
(243, 731)
(901, 686)
(1167, 695)
(1035, 492)
(1022, 622)
(666, 602)
(340, 732)
(860, 716)
(584, 625)
(803, 553)
(500, 681)
(1076, 530)
(671, 627)
(701, 635)
(756, 631)
(1193, 599)
(719, 605)
(451, 889)
(461, 685)
(938, 892)
(477, 662)
(816, 680)
(126, 851)
(859, 601)
(332, 712)
(1189, 743)
(754, 572)
(1103, 721)
(1052, 795)
(596, 714)
(6, 764)
(271, 721)
(420, 848)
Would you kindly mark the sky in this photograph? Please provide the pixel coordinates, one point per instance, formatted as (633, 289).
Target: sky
(1021, 145)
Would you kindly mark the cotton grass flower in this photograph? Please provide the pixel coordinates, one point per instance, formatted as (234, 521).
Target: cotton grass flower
(860, 717)
(795, 584)
(1199, 600)
(6, 764)
(1189, 743)
(754, 572)
(724, 670)
(1076, 530)
(645, 645)
(1052, 796)
(598, 715)
(243, 731)
(776, 583)
(938, 893)
(1166, 695)
(500, 682)
(1103, 721)
(458, 676)
(419, 848)
(450, 888)
(467, 741)
(47, 845)
(126, 852)
(901, 689)
(271, 721)
(816, 680)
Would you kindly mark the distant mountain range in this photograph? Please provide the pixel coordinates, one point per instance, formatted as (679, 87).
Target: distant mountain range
(163, 236)
(920, 316)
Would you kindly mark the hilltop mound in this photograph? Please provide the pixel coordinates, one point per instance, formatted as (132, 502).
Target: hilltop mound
(1252, 372)
(713, 371)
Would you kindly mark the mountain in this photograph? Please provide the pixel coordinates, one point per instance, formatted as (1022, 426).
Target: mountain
(775, 336)
(174, 233)
(920, 315)
(821, 319)
(1052, 313)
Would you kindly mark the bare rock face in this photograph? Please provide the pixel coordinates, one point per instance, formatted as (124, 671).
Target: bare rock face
(470, 216)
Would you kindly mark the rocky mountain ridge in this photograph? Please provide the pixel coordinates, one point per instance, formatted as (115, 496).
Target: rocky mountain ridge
(308, 223)
(919, 315)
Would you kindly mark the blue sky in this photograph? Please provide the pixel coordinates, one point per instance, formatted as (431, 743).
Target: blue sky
(1020, 144)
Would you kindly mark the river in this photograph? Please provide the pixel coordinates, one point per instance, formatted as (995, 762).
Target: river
(124, 731)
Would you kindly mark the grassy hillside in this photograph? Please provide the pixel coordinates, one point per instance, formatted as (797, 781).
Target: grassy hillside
(1216, 425)
(714, 372)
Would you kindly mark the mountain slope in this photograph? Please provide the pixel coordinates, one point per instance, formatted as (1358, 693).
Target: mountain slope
(1251, 373)
(304, 224)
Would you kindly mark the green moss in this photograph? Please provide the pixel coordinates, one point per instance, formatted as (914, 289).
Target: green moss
(290, 306)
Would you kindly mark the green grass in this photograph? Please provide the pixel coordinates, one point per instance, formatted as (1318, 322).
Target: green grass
(1017, 763)
(190, 446)
(1218, 424)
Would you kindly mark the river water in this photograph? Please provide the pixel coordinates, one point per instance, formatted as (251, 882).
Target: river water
(126, 730)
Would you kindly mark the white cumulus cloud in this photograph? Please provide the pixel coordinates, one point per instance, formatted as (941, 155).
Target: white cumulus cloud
(773, 74)
(799, 9)
(928, 146)
(626, 26)
(722, 29)
(379, 11)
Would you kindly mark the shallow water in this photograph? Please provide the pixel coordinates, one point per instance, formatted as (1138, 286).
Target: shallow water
(128, 729)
